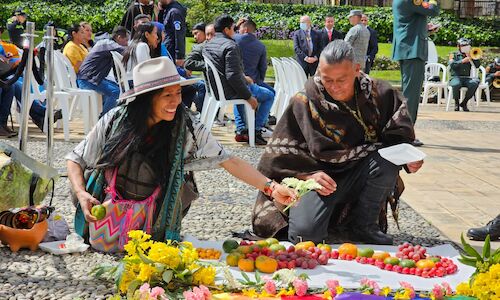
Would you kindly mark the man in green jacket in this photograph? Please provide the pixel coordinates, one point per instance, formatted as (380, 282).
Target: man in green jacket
(410, 47)
(460, 66)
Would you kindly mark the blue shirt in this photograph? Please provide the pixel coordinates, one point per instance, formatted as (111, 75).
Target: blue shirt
(254, 56)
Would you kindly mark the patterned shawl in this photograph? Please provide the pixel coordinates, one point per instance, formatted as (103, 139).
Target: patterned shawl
(318, 133)
(167, 224)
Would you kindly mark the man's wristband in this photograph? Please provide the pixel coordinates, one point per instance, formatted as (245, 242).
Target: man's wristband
(269, 188)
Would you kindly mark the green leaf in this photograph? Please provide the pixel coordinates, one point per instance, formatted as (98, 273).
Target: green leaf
(119, 274)
(468, 262)
(486, 247)
(257, 276)
(245, 276)
(167, 276)
(145, 259)
(159, 267)
(469, 250)
(132, 287)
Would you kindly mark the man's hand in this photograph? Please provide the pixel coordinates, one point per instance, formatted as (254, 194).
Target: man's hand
(86, 202)
(179, 62)
(497, 73)
(413, 167)
(466, 60)
(253, 102)
(328, 184)
(249, 79)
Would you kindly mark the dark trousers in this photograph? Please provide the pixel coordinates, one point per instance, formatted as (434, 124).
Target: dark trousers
(368, 65)
(412, 77)
(368, 184)
(310, 69)
(459, 82)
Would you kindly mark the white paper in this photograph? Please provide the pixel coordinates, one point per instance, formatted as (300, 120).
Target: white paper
(349, 273)
(401, 154)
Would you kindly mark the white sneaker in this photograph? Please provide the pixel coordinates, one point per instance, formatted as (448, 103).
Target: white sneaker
(266, 132)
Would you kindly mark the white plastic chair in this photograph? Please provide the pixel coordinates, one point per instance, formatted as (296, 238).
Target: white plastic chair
(278, 87)
(483, 85)
(121, 74)
(431, 70)
(285, 86)
(463, 90)
(206, 102)
(88, 100)
(432, 56)
(221, 102)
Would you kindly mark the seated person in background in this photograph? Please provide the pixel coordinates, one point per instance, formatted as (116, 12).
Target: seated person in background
(87, 35)
(140, 47)
(223, 51)
(493, 71)
(460, 67)
(194, 62)
(331, 132)
(74, 50)
(96, 66)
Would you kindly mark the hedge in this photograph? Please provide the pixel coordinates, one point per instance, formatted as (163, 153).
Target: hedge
(277, 21)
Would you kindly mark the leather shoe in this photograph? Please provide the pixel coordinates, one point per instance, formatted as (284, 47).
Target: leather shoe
(464, 107)
(417, 143)
(492, 228)
(371, 235)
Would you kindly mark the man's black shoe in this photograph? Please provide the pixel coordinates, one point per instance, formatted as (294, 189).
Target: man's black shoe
(57, 115)
(492, 228)
(463, 105)
(371, 235)
(417, 143)
(259, 140)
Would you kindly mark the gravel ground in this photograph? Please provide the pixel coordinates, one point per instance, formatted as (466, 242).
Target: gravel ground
(225, 205)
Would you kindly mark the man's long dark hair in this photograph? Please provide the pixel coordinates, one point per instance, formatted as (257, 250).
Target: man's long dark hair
(133, 135)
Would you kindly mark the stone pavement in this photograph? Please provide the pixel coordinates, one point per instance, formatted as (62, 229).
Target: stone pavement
(459, 184)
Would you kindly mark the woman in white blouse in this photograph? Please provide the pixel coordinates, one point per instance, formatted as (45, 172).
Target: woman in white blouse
(141, 47)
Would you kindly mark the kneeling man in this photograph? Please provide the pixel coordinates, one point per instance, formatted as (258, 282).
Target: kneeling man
(330, 132)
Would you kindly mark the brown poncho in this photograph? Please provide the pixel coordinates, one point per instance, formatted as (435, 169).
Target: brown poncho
(318, 133)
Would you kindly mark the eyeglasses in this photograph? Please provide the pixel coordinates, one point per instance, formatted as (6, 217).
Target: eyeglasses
(25, 218)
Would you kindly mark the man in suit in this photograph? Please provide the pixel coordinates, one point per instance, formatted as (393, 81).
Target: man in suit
(409, 47)
(328, 33)
(358, 37)
(372, 45)
(307, 46)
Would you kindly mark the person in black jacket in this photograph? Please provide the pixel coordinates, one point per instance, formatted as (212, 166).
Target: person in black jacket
(137, 7)
(307, 46)
(372, 45)
(173, 17)
(328, 33)
(225, 54)
(16, 26)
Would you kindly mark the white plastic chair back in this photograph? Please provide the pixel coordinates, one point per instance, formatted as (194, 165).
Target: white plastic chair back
(483, 85)
(432, 70)
(432, 56)
(121, 77)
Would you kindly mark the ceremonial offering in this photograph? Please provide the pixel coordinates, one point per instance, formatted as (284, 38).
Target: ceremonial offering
(301, 187)
(401, 154)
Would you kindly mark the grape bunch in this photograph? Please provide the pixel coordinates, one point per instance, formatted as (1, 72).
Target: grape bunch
(408, 251)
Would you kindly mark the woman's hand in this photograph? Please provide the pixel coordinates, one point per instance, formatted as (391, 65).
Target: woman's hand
(283, 194)
(86, 202)
(413, 167)
(328, 184)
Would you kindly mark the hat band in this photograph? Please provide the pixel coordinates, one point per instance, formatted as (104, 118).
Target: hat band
(151, 84)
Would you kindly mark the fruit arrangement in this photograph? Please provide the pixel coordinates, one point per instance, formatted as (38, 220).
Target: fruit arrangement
(269, 255)
(411, 260)
(208, 253)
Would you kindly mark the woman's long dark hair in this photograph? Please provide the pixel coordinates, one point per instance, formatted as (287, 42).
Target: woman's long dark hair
(139, 36)
(73, 28)
(133, 135)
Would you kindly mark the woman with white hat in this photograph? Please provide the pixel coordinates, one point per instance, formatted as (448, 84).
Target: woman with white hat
(137, 155)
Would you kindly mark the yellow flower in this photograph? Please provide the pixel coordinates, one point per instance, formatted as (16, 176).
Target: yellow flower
(385, 291)
(204, 276)
(339, 290)
(189, 255)
(327, 295)
(138, 235)
(250, 293)
(464, 289)
(188, 245)
(285, 292)
(146, 272)
(128, 276)
(405, 295)
(168, 255)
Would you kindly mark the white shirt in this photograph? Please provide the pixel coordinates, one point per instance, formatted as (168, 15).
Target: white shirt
(141, 53)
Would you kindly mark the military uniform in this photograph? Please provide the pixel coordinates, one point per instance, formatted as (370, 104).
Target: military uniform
(460, 77)
(410, 46)
(173, 16)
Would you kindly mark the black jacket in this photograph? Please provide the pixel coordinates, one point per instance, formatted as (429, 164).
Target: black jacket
(373, 44)
(15, 29)
(134, 10)
(336, 35)
(173, 16)
(225, 54)
(194, 60)
(300, 45)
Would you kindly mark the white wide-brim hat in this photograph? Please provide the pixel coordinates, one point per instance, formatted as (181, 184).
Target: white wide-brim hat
(154, 74)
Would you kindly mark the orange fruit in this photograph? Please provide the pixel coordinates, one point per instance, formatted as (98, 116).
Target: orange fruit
(244, 249)
(246, 265)
(304, 245)
(233, 258)
(348, 249)
(425, 263)
(266, 264)
(380, 255)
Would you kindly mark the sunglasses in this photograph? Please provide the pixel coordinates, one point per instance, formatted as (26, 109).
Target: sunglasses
(25, 218)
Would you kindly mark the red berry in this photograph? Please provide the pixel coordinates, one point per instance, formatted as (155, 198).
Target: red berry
(406, 270)
(291, 249)
(363, 260)
(418, 272)
(349, 257)
(425, 274)
(334, 254)
(388, 267)
(358, 258)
